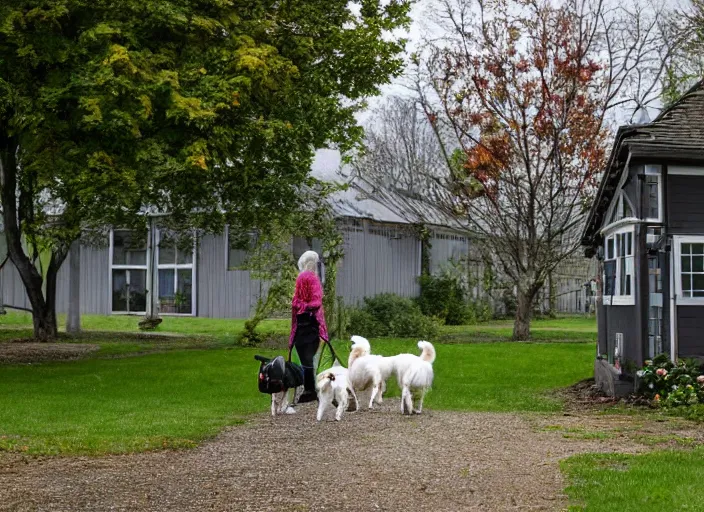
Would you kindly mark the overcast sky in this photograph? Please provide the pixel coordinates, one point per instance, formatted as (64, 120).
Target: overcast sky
(327, 161)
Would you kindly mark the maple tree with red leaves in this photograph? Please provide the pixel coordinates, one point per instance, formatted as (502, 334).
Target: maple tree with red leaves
(518, 92)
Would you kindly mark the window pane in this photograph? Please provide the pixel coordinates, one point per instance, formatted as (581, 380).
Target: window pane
(698, 293)
(166, 284)
(184, 294)
(609, 248)
(167, 253)
(137, 291)
(128, 249)
(686, 249)
(698, 282)
(686, 263)
(629, 244)
(686, 284)
(119, 290)
(609, 277)
(697, 248)
(652, 192)
(184, 256)
(697, 263)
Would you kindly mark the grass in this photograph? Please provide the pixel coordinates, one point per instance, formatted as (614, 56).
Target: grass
(663, 480)
(569, 329)
(177, 398)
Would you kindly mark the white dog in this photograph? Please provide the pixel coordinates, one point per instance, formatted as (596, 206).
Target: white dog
(414, 374)
(334, 386)
(367, 370)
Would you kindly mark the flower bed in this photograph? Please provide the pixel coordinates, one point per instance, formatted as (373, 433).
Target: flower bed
(671, 384)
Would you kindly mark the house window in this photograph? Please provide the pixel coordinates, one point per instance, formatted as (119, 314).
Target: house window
(653, 193)
(689, 270)
(618, 268)
(128, 272)
(176, 276)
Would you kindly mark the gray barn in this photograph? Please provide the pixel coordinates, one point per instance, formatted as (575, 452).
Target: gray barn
(646, 229)
(382, 254)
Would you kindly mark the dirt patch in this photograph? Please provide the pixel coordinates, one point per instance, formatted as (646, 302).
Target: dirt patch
(35, 352)
(372, 460)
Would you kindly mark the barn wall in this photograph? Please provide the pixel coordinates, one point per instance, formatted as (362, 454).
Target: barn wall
(378, 259)
(222, 293)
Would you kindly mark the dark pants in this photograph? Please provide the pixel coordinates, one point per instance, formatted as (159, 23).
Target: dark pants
(306, 341)
(306, 352)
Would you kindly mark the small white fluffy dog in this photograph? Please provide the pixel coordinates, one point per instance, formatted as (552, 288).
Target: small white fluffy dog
(334, 386)
(414, 375)
(367, 370)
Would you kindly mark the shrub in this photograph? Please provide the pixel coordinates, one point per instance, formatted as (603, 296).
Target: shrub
(444, 297)
(388, 315)
(671, 385)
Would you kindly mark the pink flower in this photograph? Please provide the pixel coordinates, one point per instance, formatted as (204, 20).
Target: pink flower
(661, 372)
(700, 379)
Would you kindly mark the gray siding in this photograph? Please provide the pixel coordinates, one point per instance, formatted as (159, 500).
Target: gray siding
(378, 259)
(95, 284)
(446, 246)
(686, 204)
(623, 319)
(222, 293)
(690, 331)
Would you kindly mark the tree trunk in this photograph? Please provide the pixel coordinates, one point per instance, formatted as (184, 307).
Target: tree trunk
(43, 309)
(524, 313)
(552, 296)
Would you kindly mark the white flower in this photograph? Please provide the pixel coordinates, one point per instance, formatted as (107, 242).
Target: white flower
(674, 388)
(651, 385)
(640, 373)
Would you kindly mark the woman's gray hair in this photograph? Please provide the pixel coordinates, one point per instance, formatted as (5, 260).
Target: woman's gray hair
(308, 261)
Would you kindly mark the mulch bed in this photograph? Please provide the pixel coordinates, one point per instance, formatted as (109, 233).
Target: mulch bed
(17, 352)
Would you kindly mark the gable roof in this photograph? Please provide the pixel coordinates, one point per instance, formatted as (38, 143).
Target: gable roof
(677, 133)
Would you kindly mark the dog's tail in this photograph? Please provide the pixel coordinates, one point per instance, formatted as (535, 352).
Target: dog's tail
(360, 348)
(324, 379)
(428, 351)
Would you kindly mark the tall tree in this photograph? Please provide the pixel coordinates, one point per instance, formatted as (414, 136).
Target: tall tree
(524, 89)
(685, 26)
(207, 109)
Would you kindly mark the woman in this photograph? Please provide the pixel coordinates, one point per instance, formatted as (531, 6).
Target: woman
(307, 327)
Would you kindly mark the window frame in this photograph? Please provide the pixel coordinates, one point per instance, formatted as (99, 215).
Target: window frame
(617, 299)
(176, 267)
(680, 299)
(127, 268)
(650, 171)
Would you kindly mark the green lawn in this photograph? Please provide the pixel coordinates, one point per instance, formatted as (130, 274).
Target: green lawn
(179, 397)
(657, 481)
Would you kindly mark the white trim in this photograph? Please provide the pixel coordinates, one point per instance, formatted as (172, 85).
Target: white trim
(680, 300)
(653, 170)
(673, 315)
(620, 225)
(685, 170)
(620, 300)
(176, 267)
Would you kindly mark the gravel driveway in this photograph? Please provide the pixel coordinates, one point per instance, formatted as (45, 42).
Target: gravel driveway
(372, 460)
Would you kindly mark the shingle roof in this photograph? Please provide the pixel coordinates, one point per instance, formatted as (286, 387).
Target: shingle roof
(677, 133)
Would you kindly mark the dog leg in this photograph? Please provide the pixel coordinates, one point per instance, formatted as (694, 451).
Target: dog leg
(321, 409)
(407, 398)
(420, 402)
(341, 408)
(273, 404)
(375, 390)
